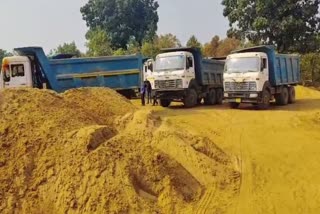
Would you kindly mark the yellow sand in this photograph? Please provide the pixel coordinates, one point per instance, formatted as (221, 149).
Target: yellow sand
(278, 151)
(92, 151)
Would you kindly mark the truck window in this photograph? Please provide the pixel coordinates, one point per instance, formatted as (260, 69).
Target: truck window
(264, 63)
(17, 70)
(190, 61)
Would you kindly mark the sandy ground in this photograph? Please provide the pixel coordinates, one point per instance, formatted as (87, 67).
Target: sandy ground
(92, 151)
(276, 151)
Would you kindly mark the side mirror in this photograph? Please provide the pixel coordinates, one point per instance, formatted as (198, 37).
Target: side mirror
(188, 64)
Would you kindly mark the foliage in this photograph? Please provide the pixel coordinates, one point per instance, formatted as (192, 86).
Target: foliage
(167, 41)
(152, 48)
(220, 48)
(289, 25)
(310, 68)
(119, 52)
(123, 19)
(98, 43)
(210, 49)
(193, 42)
(3, 53)
(66, 48)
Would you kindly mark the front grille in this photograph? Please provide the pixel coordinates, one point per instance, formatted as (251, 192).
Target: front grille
(165, 84)
(240, 86)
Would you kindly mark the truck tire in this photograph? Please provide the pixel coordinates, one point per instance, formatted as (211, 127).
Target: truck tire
(292, 95)
(211, 98)
(219, 96)
(282, 98)
(191, 98)
(165, 103)
(265, 102)
(234, 105)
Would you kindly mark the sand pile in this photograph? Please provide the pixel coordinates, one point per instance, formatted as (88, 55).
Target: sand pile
(92, 151)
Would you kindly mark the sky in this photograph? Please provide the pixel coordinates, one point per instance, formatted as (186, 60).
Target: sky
(48, 23)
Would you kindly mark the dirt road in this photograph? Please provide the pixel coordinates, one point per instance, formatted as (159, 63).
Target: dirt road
(277, 152)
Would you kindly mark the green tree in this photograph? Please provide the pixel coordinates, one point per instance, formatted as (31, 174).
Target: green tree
(167, 41)
(289, 25)
(66, 48)
(310, 68)
(3, 53)
(119, 52)
(133, 46)
(150, 49)
(123, 19)
(98, 43)
(193, 42)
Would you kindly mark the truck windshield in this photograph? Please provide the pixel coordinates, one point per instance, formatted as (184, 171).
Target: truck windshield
(242, 65)
(170, 63)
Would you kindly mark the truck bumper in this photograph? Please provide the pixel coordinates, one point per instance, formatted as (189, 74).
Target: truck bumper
(174, 95)
(243, 97)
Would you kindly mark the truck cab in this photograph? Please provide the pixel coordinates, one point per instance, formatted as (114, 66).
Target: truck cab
(258, 75)
(245, 74)
(174, 71)
(182, 75)
(16, 72)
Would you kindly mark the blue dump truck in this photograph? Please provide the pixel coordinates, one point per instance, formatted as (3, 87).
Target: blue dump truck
(31, 68)
(259, 75)
(181, 74)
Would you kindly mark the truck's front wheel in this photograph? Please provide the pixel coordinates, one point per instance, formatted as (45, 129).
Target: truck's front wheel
(191, 98)
(282, 98)
(265, 102)
(165, 103)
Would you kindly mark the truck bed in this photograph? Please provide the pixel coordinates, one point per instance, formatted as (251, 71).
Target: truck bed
(119, 73)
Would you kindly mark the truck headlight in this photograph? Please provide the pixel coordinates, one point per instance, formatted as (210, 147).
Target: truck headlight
(226, 95)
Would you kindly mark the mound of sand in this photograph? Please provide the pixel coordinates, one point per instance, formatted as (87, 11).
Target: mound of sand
(92, 151)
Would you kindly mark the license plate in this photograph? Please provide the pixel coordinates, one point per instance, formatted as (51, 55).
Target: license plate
(238, 100)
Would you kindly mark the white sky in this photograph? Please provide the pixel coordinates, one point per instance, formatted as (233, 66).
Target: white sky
(48, 23)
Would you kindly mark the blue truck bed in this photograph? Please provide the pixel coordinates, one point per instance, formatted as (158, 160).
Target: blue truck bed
(119, 73)
(284, 69)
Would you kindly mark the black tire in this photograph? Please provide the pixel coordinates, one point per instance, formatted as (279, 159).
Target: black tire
(234, 105)
(265, 103)
(191, 98)
(282, 98)
(165, 103)
(211, 98)
(292, 95)
(219, 95)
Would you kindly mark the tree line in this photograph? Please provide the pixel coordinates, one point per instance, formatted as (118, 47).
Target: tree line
(119, 27)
